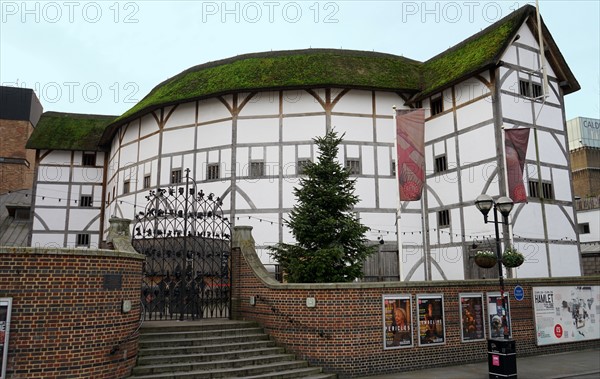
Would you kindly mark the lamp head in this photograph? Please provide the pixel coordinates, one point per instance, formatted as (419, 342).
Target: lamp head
(504, 205)
(484, 203)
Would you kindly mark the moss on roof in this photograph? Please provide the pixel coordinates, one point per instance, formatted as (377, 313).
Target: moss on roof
(472, 55)
(68, 131)
(284, 69)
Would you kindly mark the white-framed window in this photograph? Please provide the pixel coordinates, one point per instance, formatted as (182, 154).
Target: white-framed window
(176, 176)
(443, 218)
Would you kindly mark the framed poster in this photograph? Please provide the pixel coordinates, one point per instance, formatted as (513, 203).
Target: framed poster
(472, 318)
(5, 308)
(430, 312)
(566, 314)
(494, 307)
(397, 321)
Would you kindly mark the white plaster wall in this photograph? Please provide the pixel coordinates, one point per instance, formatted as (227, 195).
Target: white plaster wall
(563, 259)
(299, 101)
(477, 145)
(355, 101)
(55, 157)
(354, 128)
(260, 104)
(475, 113)
(131, 133)
(212, 109)
(47, 240)
(178, 140)
(385, 101)
(439, 126)
(536, 261)
(54, 174)
(303, 128)
(263, 130)
(87, 174)
(591, 217)
(184, 114)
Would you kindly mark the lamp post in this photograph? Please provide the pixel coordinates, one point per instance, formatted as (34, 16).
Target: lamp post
(504, 204)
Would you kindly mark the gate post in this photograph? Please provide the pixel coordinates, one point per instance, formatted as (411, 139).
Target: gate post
(119, 235)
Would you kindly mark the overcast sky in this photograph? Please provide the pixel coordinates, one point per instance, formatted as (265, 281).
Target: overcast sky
(101, 57)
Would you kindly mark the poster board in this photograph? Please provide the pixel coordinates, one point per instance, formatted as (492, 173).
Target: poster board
(494, 311)
(430, 314)
(566, 314)
(472, 318)
(5, 309)
(397, 321)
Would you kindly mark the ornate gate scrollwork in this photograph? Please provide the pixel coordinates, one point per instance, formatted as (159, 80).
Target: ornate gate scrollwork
(186, 241)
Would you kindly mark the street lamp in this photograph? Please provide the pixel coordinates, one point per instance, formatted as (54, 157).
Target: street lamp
(504, 204)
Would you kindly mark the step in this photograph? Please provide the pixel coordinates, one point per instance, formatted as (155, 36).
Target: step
(173, 335)
(220, 340)
(181, 326)
(178, 350)
(213, 365)
(294, 369)
(204, 356)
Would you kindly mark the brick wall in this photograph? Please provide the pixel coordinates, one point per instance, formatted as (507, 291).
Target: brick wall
(344, 332)
(15, 176)
(65, 323)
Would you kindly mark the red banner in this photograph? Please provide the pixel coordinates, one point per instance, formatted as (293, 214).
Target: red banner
(515, 142)
(410, 137)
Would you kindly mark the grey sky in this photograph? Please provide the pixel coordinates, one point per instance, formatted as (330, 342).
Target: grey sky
(101, 57)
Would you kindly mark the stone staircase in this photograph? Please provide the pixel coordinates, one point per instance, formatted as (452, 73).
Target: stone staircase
(215, 348)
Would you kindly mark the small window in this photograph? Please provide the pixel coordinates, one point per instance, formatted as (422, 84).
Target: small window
(212, 171)
(437, 105)
(19, 213)
(530, 89)
(584, 228)
(547, 191)
(147, 181)
(176, 176)
(301, 165)
(83, 240)
(393, 167)
(85, 201)
(443, 218)
(441, 164)
(89, 159)
(257, 169)
(533, 189)
(353, 165)
(126, 186)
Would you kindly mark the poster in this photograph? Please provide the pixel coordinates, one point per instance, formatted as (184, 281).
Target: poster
(430, 310)
(494, 307)
(472, 318)
(566, 314)
(397, 321)
(5, 308)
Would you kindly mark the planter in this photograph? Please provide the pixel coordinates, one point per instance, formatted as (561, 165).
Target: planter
(485, 261)
(513, 260)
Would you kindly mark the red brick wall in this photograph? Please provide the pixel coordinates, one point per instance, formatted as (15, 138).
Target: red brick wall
(64, 322)
(344, 332)
(12, 145)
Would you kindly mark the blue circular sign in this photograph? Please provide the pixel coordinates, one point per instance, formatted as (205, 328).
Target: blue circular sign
(519, 293)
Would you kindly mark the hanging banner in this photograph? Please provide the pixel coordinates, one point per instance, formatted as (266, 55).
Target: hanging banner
(5, 308)
(410, 150)
(472, 318)
(566, 314)
(430, 309)
(515, 141)
(397, 321)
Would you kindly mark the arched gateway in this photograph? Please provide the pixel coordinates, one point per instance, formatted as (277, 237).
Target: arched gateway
(186, 241)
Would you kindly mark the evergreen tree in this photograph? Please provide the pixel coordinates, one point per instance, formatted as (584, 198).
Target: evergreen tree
(331, 246)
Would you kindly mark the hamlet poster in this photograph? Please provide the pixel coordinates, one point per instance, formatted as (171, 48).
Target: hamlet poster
(566, 314)
(397, 321)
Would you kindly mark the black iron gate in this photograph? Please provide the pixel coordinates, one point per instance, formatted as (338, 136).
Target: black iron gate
(186, 241)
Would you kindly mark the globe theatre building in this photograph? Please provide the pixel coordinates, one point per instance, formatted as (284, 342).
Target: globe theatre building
(243, 127)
